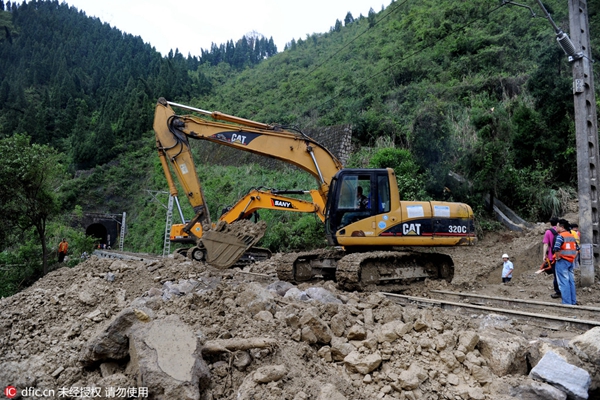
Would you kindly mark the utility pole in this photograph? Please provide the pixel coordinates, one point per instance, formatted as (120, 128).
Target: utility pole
(586, 132)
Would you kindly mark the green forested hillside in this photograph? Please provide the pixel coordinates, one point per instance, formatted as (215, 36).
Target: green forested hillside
(79, 85)
(474, 87)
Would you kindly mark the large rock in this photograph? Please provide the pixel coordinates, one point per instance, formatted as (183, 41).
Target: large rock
(557, 372)
(392, 330)
(536, 391)
(269, 373)
(363, 363)
(314, 326)
(340, 348)
(165, 358)
(357, 332)
(468, 339)
(322, 295)
(338, 324)
(256, 298)
(112, 342)
(411, 378)
(505, 354)
(587, 346)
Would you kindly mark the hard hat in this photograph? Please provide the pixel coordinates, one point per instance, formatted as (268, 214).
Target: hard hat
(504, 255)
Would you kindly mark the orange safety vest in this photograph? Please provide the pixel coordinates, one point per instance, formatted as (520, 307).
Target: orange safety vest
(568, 250)
(62, 247)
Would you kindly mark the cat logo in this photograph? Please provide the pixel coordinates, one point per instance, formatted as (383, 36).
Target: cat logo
(235, 138)
(281, 203)
(411, 229)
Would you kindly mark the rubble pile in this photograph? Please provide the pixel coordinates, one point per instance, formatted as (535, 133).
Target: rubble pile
(177, 329)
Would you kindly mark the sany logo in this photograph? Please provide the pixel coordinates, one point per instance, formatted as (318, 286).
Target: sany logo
(10, 391)
(411, 229)
(281, 203)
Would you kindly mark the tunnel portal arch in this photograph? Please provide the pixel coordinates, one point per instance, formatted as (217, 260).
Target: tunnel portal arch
(97, 231)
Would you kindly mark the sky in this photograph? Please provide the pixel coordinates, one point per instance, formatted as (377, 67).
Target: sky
(190, 25)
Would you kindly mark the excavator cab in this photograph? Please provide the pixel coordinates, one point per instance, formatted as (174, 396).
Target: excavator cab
(356, 194)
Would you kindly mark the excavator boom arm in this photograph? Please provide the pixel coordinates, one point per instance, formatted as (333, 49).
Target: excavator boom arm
(258, 199)
(172, 133)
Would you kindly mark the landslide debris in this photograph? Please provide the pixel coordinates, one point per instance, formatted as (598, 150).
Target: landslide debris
(175, 328)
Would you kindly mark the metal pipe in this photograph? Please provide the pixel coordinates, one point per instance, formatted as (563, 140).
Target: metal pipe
(190, 108)
(179, 209)
(312, 155)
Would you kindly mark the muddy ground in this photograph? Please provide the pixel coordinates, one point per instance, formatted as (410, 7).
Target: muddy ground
(46, 330)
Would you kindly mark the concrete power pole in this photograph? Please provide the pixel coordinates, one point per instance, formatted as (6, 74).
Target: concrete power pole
(586, 128)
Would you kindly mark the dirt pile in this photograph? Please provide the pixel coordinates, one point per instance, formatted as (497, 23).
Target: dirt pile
(174, 328)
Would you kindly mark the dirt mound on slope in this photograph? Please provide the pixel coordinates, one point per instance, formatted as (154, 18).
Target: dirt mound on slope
(114, 328)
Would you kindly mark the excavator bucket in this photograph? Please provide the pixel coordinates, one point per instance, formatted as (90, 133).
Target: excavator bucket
(226, 243)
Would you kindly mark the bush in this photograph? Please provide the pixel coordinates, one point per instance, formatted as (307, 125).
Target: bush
(294, 233)
(410, 181)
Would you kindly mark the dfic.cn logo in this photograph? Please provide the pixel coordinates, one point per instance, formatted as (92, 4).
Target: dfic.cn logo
(10, 391)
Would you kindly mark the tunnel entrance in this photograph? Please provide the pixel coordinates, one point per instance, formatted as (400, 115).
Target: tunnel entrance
(99, 232)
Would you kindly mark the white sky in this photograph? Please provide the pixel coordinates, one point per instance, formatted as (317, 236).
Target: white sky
(193, 24)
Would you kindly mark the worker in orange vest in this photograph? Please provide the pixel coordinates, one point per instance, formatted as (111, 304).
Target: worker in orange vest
(62, 250)
(565, 250)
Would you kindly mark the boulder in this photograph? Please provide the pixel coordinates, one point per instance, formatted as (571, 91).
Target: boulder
(165, 357)
(555, 371)
(587, 346)
(311, 320)
(362, 363)
(505, 354)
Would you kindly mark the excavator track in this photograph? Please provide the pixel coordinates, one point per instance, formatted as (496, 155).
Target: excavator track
(359, 271)
(309, 265)
(365, 271)
(253, 255)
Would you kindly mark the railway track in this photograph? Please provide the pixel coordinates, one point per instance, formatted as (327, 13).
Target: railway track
(549, 316)
(122, 255)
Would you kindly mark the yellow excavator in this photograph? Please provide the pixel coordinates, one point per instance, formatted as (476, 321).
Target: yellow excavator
(244, 209)
(366, 223)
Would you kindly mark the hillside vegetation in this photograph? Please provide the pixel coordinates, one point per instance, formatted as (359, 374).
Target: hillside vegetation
(428, 87)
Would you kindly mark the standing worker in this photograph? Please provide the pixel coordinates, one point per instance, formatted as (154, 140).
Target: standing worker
(549, 240)
(565, 250)
(62, 250)
(507, 269)
(575, 233)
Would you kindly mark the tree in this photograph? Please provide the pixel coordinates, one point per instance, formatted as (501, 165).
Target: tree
(371, 17)
(431, 146)
(338, 26)
(491, 160)
(30, 175)
(349, 19)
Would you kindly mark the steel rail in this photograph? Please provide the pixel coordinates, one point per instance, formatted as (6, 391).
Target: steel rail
(546, 321)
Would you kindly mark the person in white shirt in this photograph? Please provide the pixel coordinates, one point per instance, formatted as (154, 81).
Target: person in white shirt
(507, 269)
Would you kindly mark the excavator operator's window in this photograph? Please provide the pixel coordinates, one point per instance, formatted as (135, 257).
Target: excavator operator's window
(355, 199)
(383, 190)
(348, 189)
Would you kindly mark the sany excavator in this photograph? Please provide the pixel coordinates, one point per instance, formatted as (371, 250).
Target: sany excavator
(365, 220)
(244, 209)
